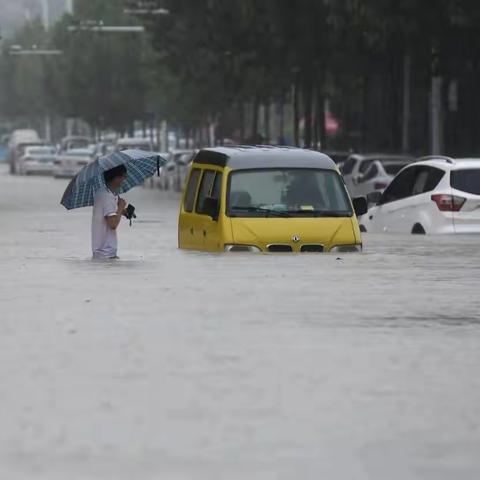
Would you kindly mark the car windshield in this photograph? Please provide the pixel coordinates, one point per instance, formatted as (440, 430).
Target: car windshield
(393, 168)
(287, 192)
(466, 180)
(142, 147)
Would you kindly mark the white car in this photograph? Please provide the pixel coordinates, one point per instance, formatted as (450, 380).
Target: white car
(174, 172)
(73, 142)
(354, 169)
(437, 195)
(134, 143)
(39, 159)
(379, 176)
(69, 163)
(19, 140)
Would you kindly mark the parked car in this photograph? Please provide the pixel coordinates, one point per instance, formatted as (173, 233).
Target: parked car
(19, 140)
(267, 199)
(69, 163)
(104, 148)
(37, 159)
(357, 165)
(73, 142)
(437, 195)
(175, 171)
(134, 143)
(379, 175)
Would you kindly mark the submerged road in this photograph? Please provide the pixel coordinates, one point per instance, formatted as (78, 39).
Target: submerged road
(173, 365)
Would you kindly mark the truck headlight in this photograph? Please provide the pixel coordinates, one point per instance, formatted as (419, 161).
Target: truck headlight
(346, 249)
(242, 248)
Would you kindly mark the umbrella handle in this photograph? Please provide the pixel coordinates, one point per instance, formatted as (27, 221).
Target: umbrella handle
(158, 166)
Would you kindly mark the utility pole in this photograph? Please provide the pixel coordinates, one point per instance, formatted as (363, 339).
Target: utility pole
(69, 7)
(436, 116)
(46, 25)
(436, 125)
(45, 14)
(407, 68)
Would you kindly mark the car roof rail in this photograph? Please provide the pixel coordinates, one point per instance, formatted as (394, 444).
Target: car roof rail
(437, 157)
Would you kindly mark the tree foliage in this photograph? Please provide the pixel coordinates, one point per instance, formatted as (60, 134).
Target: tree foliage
(224, 61)
(218, 54)
(100, 77)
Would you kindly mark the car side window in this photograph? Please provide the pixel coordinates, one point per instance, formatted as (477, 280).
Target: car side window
(364, 165)
(426, 179)
(206, 186)
(191, 190)
(372, 172)
(435, 175)
(401, 186)
(420, 181)
(347, 167)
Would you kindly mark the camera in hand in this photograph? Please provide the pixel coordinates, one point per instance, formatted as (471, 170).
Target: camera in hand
(129, 213)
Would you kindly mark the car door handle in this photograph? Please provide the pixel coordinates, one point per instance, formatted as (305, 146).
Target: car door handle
(204, 233)
(191, 231)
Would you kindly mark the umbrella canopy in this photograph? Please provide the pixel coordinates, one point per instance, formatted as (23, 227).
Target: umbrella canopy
(140, 165)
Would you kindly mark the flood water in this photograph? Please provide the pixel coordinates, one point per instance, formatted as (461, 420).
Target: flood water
(174, 365)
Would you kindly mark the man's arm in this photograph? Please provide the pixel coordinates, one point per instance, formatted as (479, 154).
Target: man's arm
(113, 221)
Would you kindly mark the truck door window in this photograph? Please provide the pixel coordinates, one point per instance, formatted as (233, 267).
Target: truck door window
(206, 186)
(191, 190)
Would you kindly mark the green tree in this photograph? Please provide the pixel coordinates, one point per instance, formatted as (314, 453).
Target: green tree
(101, 77)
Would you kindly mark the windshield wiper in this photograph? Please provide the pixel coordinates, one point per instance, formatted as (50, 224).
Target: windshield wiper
(323, 213)
(267, 211)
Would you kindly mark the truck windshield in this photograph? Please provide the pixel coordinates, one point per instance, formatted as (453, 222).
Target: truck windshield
(289, 192)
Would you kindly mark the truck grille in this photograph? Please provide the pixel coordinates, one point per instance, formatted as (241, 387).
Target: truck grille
(312, 248)
(279, 248)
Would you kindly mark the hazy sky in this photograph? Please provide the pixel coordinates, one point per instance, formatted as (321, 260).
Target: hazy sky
(14, 12)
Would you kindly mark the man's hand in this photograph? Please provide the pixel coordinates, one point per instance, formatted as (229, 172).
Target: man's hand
(122, 204)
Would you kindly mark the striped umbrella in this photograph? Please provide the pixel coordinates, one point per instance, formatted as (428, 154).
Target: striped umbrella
(140, 165)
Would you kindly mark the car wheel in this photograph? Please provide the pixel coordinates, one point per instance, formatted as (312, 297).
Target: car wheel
(418, 229)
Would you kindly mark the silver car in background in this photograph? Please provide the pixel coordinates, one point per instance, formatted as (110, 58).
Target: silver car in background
(174, 173)
(354, 169)
(73, 142)
(379, 176)
(19, 141)
(39, 159)
(69, 163)
(134, 143)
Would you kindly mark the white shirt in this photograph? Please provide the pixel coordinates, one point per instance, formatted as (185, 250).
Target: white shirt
(104, 239)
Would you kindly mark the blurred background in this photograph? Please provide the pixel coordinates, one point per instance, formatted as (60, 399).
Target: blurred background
(350, 75)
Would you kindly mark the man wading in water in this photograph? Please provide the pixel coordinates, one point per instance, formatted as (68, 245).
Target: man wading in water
(108, 209)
